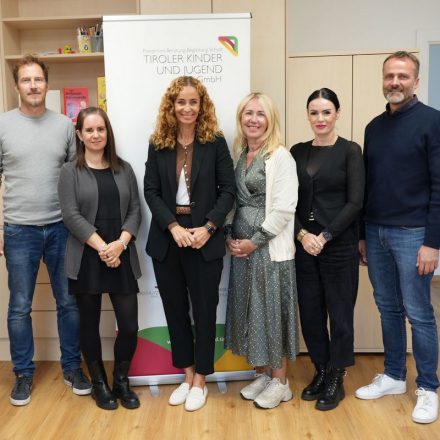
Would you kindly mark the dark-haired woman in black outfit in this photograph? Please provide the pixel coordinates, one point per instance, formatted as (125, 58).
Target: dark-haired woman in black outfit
(100, 205)
(331, 188)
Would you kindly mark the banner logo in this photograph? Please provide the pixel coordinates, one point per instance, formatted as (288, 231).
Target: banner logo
(231, 43)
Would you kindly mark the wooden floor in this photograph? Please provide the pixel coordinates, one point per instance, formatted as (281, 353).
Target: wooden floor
(56, 413)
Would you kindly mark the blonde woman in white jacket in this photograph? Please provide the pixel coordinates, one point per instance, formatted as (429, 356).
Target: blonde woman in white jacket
(262, 317)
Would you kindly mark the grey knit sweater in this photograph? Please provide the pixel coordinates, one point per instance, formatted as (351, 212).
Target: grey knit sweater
(32, 152)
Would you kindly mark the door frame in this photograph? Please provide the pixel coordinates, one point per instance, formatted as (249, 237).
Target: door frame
(424, 39)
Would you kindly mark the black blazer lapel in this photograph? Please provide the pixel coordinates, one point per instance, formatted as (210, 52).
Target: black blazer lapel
(198, 155)
(170, 159)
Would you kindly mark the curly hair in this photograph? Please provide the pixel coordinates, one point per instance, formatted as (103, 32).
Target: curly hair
(165, 132)
(272, 138)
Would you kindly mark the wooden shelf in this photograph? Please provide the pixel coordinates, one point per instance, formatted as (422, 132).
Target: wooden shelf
(63, 58)
(52, 22)
(41, 27)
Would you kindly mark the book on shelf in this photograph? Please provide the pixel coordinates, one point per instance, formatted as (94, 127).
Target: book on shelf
(102, 95)
(75, 99)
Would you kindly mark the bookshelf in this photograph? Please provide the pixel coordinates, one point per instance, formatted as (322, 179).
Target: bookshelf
(43, 26)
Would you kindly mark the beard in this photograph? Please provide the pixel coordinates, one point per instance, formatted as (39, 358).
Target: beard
(35, 101)
(398, 96)
(395, 97)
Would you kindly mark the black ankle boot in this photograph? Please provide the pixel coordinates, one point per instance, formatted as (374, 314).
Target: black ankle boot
(317, 385)
(121, 388)
(333, 392)
(101, 392)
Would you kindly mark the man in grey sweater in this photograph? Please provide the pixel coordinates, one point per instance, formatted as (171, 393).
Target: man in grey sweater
(34, 143)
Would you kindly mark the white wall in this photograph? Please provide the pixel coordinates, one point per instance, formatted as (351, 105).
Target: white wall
(353, 25)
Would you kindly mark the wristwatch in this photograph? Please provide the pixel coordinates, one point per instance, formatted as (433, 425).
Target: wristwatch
(327, 235)
(211, 229)
(301, 234)
(124, 245)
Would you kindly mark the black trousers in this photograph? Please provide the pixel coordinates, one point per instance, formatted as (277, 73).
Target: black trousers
(185, 271)
(327, 290)
(126, 312)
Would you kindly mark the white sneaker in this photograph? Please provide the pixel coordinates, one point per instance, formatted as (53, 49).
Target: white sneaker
(426, 409)
(196, 398)
(251, 391)
(382, 385)
(179, 395)
(274, 393)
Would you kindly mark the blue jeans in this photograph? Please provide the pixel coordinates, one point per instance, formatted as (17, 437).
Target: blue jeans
(400, 291)
(24, 246)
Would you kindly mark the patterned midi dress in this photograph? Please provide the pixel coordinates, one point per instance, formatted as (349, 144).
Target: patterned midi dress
(262, 309)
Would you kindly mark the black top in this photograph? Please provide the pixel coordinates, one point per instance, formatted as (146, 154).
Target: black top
(108, 205)
(331, 184)
(94, 275)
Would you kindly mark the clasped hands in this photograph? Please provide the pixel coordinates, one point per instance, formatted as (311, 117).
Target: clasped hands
(110, 253)
(313, 244)
(241, 248)
(190, 237)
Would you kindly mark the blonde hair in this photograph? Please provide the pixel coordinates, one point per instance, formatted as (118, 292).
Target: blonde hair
(165, 132)
(272, 137)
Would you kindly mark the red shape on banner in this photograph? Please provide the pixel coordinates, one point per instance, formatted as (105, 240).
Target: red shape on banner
(151, 359)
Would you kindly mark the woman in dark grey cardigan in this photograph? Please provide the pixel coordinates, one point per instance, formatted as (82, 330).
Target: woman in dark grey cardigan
(99, 201)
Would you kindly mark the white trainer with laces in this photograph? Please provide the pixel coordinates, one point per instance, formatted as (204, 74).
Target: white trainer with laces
(274, 393)
(382, 385)
(426, 409)
(251, 391)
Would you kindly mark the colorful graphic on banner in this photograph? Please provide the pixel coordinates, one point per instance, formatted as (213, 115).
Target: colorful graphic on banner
(156, 50)
(231, 43)
(153, 354)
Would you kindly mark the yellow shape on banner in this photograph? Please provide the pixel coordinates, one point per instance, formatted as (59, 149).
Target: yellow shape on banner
(231, 362)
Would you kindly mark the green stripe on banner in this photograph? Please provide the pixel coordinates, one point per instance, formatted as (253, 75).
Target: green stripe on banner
(161, 337)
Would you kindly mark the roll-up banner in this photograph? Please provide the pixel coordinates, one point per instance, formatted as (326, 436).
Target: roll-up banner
(143, 54)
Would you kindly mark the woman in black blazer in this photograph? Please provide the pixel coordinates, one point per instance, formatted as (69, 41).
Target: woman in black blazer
(189, 187)
(100, 205)
(331, 188)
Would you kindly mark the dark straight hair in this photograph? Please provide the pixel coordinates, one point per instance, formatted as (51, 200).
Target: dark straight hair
(324, 93)
(113, 160)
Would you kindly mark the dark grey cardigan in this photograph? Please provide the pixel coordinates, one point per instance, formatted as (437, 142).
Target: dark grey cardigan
(78, 193)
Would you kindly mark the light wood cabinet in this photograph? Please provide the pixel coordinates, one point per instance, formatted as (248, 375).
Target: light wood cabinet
(175, 6)
(307, 74)
(368, 99)
(357, 80)
(1, 88)
(268, 42)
